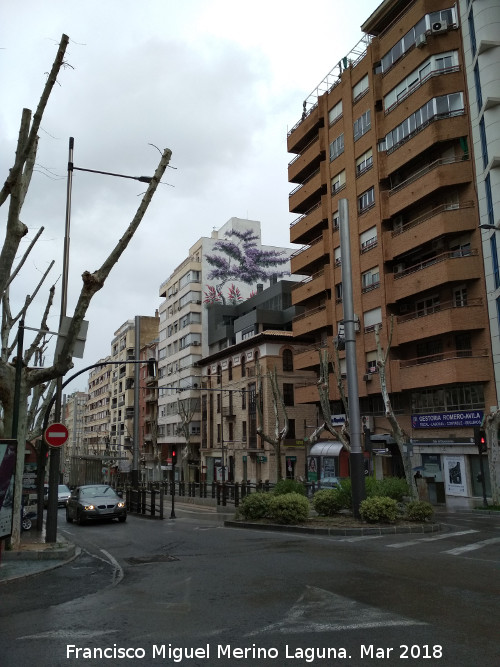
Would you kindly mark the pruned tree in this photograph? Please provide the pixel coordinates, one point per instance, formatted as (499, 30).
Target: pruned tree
(242, 260)
(491, 424)
(38, 382)
(186, 409)
(341, 434)
(280, 414)
(398, 433)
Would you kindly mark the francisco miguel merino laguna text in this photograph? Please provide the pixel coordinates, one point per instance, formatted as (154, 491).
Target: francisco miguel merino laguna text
(221, 651)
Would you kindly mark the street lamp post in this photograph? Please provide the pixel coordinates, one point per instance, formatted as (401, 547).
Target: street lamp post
(55, 457)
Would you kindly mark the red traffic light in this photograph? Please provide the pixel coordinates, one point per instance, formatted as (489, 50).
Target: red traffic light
(174, 457)
(480, 439)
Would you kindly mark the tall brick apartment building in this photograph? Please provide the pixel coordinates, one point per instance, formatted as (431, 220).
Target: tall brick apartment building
(389, 130)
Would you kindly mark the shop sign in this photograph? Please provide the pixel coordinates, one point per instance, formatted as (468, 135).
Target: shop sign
(291, 458)
(448, 419)
(262, 459)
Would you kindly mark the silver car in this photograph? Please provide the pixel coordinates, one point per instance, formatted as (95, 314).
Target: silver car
(95, 501)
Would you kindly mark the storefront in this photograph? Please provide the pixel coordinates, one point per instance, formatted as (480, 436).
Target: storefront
(450, 470)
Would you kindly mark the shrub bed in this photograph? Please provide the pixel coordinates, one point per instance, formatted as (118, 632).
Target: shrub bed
(379, 509)
(289, 508)
(328, 502)
(419, 510)
(255, 506)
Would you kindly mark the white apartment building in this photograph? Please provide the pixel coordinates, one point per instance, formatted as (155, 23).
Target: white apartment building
(222, 268)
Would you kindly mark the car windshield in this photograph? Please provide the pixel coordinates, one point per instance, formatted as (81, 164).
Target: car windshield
(95, 491)
(63, 488)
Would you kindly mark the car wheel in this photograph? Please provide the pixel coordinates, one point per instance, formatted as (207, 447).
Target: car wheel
(26, 523)
(68, 518)
(122, 519)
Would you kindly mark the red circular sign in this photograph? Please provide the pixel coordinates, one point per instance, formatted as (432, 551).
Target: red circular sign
(56, 435)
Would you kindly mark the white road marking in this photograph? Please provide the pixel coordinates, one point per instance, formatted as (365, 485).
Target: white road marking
(319, 610)
(472, 547)
(400, 545)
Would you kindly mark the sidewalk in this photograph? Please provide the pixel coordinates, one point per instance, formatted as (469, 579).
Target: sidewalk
(34, 556)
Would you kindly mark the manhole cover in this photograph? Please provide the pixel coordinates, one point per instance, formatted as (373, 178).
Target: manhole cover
(142, 560)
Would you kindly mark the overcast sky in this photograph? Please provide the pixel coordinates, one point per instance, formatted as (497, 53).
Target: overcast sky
(219, 82)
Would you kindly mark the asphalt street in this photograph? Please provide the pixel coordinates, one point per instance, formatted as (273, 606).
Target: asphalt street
(190, 591)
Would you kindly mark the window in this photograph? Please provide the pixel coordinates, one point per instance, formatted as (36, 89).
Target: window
(230, 372)
(338, 182)
(366, 200)
(362, 125)
(287, 360)
(368, 239)
(337, 147)
(484, 142)
(288, 397)
(291, 429)
(360, 88)
(372, 318)
(335, 220)
(335, 113)
(472, 33)
(370, 279)
(364, 162)
(494, 259)
(427, 306)
(460, 296)
(244, 432)
(338, 293)
(489, 202)
(438, 107)
(429, 351)
(337, 256)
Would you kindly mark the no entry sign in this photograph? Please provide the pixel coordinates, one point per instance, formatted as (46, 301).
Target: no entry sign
(56, 435)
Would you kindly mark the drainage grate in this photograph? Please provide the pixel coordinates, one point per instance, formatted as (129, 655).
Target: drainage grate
(144, 560)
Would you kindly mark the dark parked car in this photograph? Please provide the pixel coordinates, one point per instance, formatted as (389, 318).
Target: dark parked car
(95, 501)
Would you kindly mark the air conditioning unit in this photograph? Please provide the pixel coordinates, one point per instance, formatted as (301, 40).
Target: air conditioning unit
(399, 268)
(438, 27)
(367, 377)
(421, 41)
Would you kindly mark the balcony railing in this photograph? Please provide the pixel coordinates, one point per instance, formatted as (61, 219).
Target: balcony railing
(438, 307)
(431, 214)
(423, 171)
(450, 254)
(442, 356)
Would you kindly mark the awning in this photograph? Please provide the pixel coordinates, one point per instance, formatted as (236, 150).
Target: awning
(326, 448)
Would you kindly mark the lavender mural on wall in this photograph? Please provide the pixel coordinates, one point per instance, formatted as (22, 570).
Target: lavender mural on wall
(239, 258)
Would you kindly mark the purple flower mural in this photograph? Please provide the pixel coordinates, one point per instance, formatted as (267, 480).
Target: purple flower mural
(240, 258)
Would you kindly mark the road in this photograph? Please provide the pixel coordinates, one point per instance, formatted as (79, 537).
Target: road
(189, 591)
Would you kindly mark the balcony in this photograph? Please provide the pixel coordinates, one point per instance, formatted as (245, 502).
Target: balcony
(306, 394)
(441, 173)
(450, 266)
(307, 162)
(440, 319)
(315, 319)
(307, 359)
(462, 366)
(424, 138)
(304, 196)
(311, 286)
(306, 227)
(304, 130)
(309, 259)
(442, 220)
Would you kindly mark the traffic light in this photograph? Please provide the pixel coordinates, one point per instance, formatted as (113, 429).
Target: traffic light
(480, 439)
(174, 457)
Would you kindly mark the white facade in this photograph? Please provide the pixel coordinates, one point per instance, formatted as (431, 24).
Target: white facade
(480, 21)
(183, 324)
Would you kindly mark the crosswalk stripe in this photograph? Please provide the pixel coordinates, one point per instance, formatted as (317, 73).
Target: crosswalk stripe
(400, 545)
(472, 547)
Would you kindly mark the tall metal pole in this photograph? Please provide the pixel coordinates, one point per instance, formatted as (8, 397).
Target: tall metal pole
(55, 454)
(356, 456)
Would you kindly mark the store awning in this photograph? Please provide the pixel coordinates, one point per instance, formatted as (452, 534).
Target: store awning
(326, 449)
